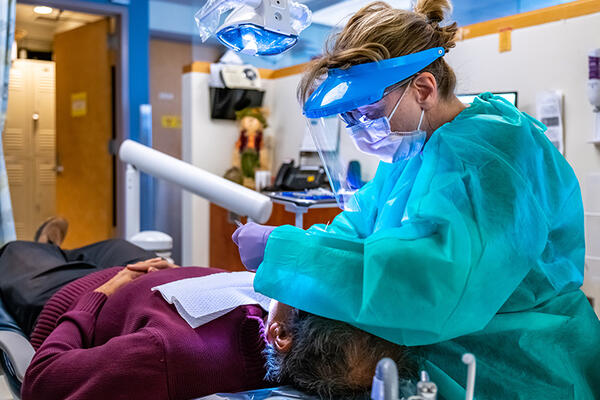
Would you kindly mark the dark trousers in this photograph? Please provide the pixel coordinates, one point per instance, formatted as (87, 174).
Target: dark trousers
(30, 272)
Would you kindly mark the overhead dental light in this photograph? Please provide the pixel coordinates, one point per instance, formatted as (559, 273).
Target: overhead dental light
(254, 27)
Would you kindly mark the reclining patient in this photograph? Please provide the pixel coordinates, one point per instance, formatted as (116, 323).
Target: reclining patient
(100, 332)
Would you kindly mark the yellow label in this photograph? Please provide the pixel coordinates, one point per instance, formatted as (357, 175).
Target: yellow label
(505, 43)
(171, 121)
(78, 104)
(310, 178)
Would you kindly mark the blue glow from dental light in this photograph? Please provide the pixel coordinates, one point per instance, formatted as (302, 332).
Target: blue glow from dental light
(255, 40)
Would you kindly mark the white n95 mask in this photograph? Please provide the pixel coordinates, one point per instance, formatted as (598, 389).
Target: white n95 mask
(376, 137)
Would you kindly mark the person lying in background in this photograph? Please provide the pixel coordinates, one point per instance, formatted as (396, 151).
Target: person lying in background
(108, 334)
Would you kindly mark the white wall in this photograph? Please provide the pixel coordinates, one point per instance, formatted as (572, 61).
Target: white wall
(207, 144)
(286, 122)
(549, 56)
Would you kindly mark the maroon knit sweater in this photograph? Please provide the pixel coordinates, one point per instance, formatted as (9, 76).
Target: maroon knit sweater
(133, 345)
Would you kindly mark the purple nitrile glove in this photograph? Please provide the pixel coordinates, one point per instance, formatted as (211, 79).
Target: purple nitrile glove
(251, 240)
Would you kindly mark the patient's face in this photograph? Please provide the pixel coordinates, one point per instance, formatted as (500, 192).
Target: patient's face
(279, 313)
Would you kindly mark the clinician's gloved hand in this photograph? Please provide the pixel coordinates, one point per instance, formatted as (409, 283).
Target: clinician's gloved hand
(251, 240)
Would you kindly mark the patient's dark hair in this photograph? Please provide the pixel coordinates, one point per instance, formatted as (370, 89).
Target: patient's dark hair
(331, 359)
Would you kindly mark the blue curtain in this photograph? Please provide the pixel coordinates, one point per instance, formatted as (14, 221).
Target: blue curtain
(7, 31)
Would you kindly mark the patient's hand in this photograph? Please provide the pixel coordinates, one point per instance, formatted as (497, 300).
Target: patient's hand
(132, 272)
(152, 265)
(118, 281)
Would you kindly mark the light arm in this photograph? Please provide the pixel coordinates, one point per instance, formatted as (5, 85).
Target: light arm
(215, 189)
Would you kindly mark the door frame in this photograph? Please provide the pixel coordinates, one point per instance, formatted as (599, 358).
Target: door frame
(122, 106)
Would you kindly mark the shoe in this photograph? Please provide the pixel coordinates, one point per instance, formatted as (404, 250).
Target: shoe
(53, 231)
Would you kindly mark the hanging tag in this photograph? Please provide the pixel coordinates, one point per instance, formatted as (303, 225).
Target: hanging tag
(78, 104)
(505, 43)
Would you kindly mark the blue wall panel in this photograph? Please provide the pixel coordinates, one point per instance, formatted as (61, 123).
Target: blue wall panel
(467, 12)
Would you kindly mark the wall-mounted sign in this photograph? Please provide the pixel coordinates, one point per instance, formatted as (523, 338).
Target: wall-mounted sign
(166, 96)
(505, 43)
(171, 121)
(549, 110)
(78, 104)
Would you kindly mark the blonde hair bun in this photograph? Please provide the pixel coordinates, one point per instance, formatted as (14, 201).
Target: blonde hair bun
(378, 31)
(434, 10)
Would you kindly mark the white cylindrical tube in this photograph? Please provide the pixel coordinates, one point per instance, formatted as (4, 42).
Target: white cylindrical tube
(469, 360)
(220, 191)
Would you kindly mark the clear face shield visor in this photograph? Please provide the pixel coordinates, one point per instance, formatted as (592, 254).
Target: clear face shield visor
(365, 130)
(335, 153)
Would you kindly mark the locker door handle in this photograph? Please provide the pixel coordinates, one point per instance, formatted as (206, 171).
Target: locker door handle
(36, 118)
(59, 168)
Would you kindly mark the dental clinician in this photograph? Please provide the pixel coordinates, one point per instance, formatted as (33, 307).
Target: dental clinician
(468, 239)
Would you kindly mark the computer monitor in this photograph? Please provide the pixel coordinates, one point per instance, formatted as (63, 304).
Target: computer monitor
(510, 96)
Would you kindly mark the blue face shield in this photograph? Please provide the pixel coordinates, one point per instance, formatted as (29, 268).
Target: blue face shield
(360, 85)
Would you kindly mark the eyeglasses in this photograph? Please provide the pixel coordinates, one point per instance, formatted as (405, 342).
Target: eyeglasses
(374, 110)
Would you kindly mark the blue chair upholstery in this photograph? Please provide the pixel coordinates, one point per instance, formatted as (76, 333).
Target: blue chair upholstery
(276, 393)
(15, 351)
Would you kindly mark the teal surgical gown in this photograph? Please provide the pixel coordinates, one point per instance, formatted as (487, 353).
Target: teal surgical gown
(476, 245)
